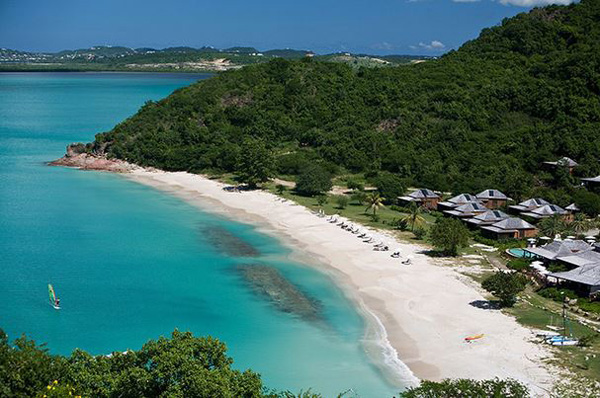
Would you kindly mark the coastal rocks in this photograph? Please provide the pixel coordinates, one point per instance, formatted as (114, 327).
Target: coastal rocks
(286, 297)
(79, 155)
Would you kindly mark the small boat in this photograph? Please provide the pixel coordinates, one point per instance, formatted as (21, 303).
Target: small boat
(54, 300)
(562, 340)
(474, 337)
(546, 333)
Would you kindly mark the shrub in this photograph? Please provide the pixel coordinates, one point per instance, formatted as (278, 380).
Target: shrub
(313, 180)
(463, 388)
(449, 235)
(518, 264)
(342, 201)
(354, 185)
(390, 186)
(505, 286)
(420, 233)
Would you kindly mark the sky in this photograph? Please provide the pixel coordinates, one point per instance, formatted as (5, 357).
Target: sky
(360, 26)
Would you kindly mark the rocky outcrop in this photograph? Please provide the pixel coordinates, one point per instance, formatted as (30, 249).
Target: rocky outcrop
(82, 157)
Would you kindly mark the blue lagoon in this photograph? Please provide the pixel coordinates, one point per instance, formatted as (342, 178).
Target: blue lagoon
(131, 263)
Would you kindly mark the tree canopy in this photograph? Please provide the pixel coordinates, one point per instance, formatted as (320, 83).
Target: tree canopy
(484, 116)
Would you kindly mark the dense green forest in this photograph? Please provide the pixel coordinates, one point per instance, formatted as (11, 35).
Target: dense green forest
(486, 115)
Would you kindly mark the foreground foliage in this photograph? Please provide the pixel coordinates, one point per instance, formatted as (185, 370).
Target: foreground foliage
(463, 388)
(182, 366)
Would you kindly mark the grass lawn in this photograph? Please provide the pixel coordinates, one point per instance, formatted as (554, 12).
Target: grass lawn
(580, 360)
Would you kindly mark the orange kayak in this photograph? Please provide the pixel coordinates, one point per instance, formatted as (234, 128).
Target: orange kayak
(474, 337)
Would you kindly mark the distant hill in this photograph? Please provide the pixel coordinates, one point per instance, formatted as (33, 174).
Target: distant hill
(171, 58)
(484, 116)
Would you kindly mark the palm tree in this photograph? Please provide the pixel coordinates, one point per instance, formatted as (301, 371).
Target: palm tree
(580, 224)
(375, 202)
(414, 216)
(552, 226)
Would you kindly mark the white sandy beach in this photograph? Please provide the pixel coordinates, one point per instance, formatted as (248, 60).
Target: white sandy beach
(424, 307)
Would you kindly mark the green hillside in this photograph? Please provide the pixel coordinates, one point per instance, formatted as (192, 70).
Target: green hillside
(483, 116)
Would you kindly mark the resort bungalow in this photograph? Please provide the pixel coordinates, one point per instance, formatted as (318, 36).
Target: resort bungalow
(528, 205)
(562, 162)
(593, 182)
(423, 197)
(456, 201)
(492, 198)
(488, 218)
(584, 279)
(547, 211)
(560, 249)
(510, 228)
(572, 208)
(468, 210)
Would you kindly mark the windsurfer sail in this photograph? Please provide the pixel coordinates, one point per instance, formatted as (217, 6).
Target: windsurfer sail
(54, 300)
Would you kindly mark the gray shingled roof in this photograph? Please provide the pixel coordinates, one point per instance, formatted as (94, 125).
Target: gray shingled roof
(513, 223)
(424, 193)
(491, 194)
(463, 198)
(488, 218)
(545, 211)
(492, 215)
(572, 207)
(530, 204)
(560, 248)
(564, 161)
(591, 179)
(588, 275)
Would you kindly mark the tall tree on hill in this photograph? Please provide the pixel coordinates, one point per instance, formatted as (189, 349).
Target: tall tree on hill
(256, 163)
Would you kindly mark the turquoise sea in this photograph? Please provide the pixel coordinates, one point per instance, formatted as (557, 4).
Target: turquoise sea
(131, 263)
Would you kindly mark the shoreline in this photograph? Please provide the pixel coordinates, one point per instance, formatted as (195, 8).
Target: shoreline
(416, 316)
(423, 308)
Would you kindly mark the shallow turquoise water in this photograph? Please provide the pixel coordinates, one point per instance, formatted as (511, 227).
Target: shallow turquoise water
(131, 263)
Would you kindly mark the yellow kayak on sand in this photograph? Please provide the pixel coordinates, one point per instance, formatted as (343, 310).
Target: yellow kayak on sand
(474, 337)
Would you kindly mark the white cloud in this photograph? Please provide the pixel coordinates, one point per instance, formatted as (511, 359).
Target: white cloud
(534, 3)
(384, 45)
(435, 45)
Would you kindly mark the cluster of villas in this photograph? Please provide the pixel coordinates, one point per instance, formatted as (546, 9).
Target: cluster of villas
(581, 260)
(483, 211)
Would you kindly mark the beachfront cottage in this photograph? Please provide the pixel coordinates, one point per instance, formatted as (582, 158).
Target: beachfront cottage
(548, 211)
(559, 249)
(509, 228)
(488, 218)
(492, 198)
(562, 162)
(528, 205)
(468, 210)
(585, 279)
(423, 197)
(456, 201)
